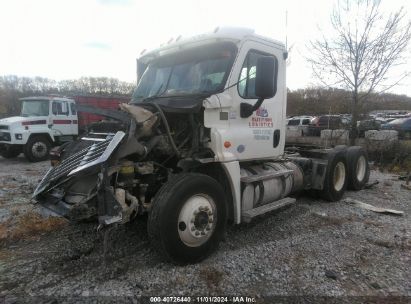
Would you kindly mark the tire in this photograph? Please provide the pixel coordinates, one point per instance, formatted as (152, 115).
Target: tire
(336, 177)
(10, 152)
(37, 148)
(178, 213)
(358, 169)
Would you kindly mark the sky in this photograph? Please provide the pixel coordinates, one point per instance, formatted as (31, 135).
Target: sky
(67, 39)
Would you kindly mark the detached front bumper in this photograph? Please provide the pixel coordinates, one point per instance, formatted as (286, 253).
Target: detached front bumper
(78, 188)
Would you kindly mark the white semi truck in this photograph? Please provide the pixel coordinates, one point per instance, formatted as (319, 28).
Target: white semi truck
(43, 122)
(203, 145)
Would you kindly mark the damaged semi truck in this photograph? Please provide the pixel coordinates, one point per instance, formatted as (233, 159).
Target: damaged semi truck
(200, 145)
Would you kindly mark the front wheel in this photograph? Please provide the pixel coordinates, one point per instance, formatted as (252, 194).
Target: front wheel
(37, 148)
(187, 219)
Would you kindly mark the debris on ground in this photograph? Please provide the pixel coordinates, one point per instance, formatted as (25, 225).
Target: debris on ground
(372, 208)
(370, 185)
(404, 177)
(331, 274)
(405, 186)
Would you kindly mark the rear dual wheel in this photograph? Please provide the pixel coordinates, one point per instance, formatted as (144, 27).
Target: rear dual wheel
(347, 168)
(336, 176)
(358, 168)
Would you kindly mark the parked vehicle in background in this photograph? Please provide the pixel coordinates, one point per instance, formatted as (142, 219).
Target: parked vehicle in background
(384, 121)
(402, 125)
(299, 123)
(346, 119)
(46, 121)
(366, 125)
(324, 122)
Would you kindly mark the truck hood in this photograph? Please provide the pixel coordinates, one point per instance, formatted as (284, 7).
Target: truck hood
(17, 120)
(14, 119)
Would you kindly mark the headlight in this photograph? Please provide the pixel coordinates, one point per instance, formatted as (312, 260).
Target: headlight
(18, 136)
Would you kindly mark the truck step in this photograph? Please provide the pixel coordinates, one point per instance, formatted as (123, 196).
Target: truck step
(265, 176)
(248, 215)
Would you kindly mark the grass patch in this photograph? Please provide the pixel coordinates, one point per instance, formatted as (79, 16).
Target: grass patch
(211, 276)
(28, 225)
(397, 160)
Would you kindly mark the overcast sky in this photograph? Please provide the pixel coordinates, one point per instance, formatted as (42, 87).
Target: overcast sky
(65, 39)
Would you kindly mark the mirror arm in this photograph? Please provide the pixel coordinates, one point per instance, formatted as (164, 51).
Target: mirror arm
(258, 104)
(246, 110)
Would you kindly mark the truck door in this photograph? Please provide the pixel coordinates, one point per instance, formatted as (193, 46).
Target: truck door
(262, 135)
(61, 119)
(74, 118)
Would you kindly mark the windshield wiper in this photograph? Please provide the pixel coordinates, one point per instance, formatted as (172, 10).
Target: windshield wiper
(188, 95)
(156, 95)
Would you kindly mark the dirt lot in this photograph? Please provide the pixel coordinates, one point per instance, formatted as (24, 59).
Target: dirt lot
(314, 248)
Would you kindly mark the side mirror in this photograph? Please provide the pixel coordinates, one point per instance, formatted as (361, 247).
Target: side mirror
(265, 78)
(265, 84)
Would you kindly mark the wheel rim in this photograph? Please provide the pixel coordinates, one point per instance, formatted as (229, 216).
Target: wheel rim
(197, 220)
(339, 176)
(361, 168)
(39, 149)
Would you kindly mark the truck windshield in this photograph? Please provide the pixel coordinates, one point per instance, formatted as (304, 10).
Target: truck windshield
(35, 108)
(199, 70)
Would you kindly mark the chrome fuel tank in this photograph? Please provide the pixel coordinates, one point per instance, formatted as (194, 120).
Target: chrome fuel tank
(269, 182)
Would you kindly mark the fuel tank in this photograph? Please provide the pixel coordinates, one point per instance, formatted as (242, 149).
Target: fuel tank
(268, 182)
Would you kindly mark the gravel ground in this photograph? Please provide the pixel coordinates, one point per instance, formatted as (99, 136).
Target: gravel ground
(313, 248)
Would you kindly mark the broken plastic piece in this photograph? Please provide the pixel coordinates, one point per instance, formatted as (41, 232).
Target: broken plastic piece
(372, 208)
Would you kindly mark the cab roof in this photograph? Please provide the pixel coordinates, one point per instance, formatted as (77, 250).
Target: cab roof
(46, 98)
(229, 34)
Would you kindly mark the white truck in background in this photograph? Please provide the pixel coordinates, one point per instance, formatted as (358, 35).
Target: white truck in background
(47, 121)
(43, 122)
(203, 145)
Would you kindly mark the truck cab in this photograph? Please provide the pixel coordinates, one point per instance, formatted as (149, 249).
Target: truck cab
(223, 64)
(42, 123)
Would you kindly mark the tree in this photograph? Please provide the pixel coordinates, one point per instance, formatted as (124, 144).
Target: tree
(362, 48)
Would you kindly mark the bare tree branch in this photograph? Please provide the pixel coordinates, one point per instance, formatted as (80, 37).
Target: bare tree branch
(364, 47)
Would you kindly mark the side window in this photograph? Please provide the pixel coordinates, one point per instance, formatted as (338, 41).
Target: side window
(73, 108)
(294, 122)
(306, 122)
(246, 84)
(60, 108)
(56, 107)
